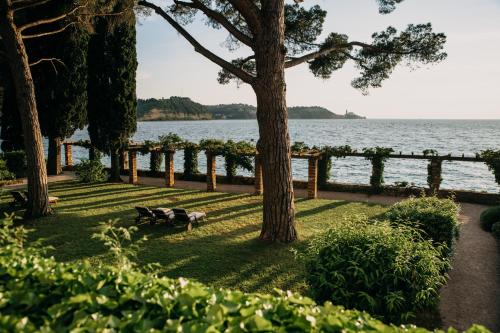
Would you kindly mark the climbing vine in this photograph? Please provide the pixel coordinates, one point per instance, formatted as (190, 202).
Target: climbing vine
(235, 154)
(191, 151)
(434, 169)
(377, 156)
(299, 147)
(171, 142)
(325, 163)
(492, 160)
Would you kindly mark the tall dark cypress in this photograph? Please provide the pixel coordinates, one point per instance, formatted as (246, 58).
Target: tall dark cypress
(11, 132)
(61, 90)
(112, 87)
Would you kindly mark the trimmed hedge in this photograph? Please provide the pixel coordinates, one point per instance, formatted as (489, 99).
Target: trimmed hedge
(40, 295)
(489, 217)
(390, 272)
(437, 219)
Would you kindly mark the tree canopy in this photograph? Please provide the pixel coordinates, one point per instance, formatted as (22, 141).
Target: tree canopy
(375, 59)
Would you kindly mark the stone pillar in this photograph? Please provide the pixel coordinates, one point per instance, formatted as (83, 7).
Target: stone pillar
(169, 169)
(124, 161)
(132, 163)
(434, 174)
(211, 173)
(259, 184)
(68, 154)
(312, 183)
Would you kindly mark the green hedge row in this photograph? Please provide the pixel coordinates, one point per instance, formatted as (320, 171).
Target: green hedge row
(393, 269)
(40, 295)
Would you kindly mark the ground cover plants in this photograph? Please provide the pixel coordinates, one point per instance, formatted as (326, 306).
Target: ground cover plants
(40, 294)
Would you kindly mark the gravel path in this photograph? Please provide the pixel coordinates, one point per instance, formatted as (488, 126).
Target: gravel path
(472, 294)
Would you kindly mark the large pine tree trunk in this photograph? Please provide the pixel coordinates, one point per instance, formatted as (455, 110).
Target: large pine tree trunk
(272, 116)
(54, 158)
(38, 201)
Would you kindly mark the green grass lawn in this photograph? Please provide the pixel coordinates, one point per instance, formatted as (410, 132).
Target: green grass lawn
(224, 251)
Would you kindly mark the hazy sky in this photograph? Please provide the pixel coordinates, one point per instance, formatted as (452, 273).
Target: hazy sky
(466, 85)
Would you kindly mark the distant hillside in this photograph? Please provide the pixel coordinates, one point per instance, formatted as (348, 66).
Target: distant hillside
(183, 108)
(174, 108)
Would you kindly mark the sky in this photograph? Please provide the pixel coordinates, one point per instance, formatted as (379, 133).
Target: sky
(465, 86)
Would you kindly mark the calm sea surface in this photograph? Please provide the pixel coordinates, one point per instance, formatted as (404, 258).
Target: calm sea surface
(446, 136)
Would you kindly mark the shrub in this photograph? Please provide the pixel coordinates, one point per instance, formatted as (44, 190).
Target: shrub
(437, 219)
(41, 295)
(5, 174)
(389, 272)
(489, 217)
(495, 229)
(16, 162)
(90, 171)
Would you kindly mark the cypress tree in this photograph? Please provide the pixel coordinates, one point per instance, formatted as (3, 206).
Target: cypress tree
(112, 108)
(11, 131)
(61, 89)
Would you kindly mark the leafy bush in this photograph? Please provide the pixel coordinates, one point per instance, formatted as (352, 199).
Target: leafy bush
(389, 272)
(437, 219)
(495, 229)
(41, 295)
(90, 171)
(16, 162)
(5, 174)
(489, 217)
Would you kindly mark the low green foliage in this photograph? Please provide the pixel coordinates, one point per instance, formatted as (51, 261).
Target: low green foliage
(5, 174)
(437, 219)
(39, 294)
(489, 217)
(390, 272)
(15, 162)
(495, 229)
(90, 171)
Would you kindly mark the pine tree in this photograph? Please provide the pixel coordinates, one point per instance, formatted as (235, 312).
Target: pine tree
(280, 35)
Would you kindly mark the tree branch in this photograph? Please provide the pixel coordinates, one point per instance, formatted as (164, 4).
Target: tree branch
(322, 52)
(48, 33)
(28, 4)
(221, 19)
(50, 20)
(241, 74)
(250, 12)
